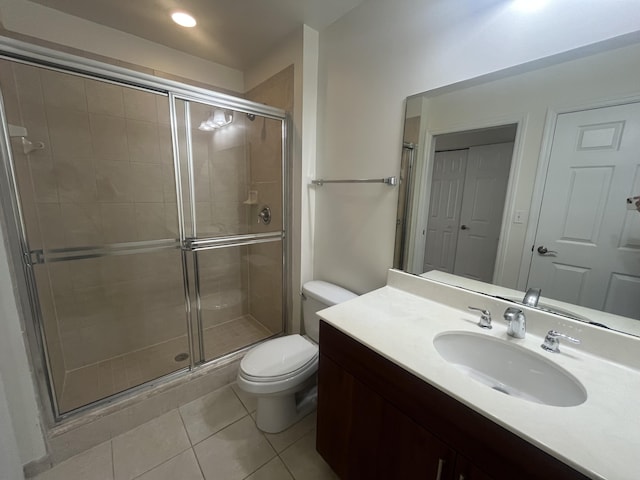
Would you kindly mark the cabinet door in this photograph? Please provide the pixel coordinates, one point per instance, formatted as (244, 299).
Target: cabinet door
(361, 435)
(465, 470)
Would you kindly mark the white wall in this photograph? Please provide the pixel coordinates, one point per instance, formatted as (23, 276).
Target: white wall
(10, 465)
(35, 20)
(15, 371)
(380, 53)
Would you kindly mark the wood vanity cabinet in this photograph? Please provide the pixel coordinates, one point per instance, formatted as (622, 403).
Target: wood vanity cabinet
(378, 421)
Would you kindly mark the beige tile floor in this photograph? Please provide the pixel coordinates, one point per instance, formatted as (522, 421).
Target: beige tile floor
(212, 438)
(93, 382)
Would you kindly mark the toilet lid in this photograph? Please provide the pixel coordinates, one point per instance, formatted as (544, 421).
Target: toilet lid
(279, 356)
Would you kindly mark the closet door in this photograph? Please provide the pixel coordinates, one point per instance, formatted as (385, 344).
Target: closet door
(485, 189)
(449, 169)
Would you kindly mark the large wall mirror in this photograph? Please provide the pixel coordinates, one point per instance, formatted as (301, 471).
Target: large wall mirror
(525, 179)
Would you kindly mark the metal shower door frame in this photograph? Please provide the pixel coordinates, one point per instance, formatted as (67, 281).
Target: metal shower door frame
(23, 259)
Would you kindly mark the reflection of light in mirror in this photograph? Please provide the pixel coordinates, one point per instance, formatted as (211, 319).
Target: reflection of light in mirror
(529, 5)
(183, 19)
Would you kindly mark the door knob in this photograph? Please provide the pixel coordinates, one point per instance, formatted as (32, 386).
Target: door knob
(542, 250)
(464, 227)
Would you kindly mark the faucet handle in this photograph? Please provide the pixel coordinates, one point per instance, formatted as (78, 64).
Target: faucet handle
(485, 317)
(552, 341)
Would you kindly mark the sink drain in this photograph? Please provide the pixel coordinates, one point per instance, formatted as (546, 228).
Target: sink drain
(181, 357)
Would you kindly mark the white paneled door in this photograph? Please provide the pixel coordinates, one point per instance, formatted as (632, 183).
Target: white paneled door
(485, 188)
(587, 248)
(447, 183)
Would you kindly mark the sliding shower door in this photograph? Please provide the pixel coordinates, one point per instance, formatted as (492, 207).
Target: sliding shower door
(93, 165)
(231, 167)
(151, 226)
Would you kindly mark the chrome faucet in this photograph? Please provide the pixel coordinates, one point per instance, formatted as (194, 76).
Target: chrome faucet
(531, 297)
(485, 318)
(517, 322)
(552, 341)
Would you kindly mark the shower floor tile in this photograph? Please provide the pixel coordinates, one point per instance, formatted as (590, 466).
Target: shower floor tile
(233, 335)
(93, 382)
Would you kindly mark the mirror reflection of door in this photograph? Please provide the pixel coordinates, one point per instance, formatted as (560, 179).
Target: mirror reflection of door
(468, 190)
(587, 248)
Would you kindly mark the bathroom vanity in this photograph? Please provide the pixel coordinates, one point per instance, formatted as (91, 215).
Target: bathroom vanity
(390, 406)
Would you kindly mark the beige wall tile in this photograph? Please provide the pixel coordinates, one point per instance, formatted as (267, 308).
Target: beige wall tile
(164, 144)
(28, 83)
(104, 98)
(168, 184)
(45, 181)
(63, 90)
(162, 105)
(201, 180)
(109, 137)
(139, 105)
(150, 221)
(51, 225)
(69, 132)
(143, 142)
(147, 183)
(265, 284)
(82, 224)
(76, 180)
(118, 222)
(171, 220)
(9, 91)
(113, 181)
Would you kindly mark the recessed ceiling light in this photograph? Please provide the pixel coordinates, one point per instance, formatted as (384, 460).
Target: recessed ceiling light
(183, 19)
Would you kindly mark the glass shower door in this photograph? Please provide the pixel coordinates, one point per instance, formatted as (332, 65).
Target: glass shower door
(231, 166)
(93, 164)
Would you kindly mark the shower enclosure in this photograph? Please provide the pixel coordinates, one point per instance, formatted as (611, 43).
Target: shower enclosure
(151, 218)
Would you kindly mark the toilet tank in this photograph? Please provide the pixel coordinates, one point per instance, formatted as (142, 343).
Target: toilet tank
(318, 295)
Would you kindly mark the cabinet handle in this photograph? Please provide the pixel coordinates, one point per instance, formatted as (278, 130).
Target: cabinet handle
(440, 465)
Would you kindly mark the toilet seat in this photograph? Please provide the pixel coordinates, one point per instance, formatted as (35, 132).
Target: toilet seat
(279, 359)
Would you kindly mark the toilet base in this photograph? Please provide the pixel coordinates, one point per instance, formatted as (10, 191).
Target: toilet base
(275, 413)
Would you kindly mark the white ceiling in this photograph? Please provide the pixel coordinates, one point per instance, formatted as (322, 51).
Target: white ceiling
(234, 33)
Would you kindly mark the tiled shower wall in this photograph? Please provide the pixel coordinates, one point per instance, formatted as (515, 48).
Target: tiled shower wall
(266, 177)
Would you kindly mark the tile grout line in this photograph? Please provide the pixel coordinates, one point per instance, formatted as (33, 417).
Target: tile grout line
(191, 443)
(174, 456)
(113, 460)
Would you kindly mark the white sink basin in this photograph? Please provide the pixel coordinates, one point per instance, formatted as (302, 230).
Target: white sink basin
(510, 369)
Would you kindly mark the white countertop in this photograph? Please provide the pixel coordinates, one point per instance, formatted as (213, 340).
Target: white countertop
(600, 438)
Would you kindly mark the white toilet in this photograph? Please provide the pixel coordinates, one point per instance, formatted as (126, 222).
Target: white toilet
(281, 372)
